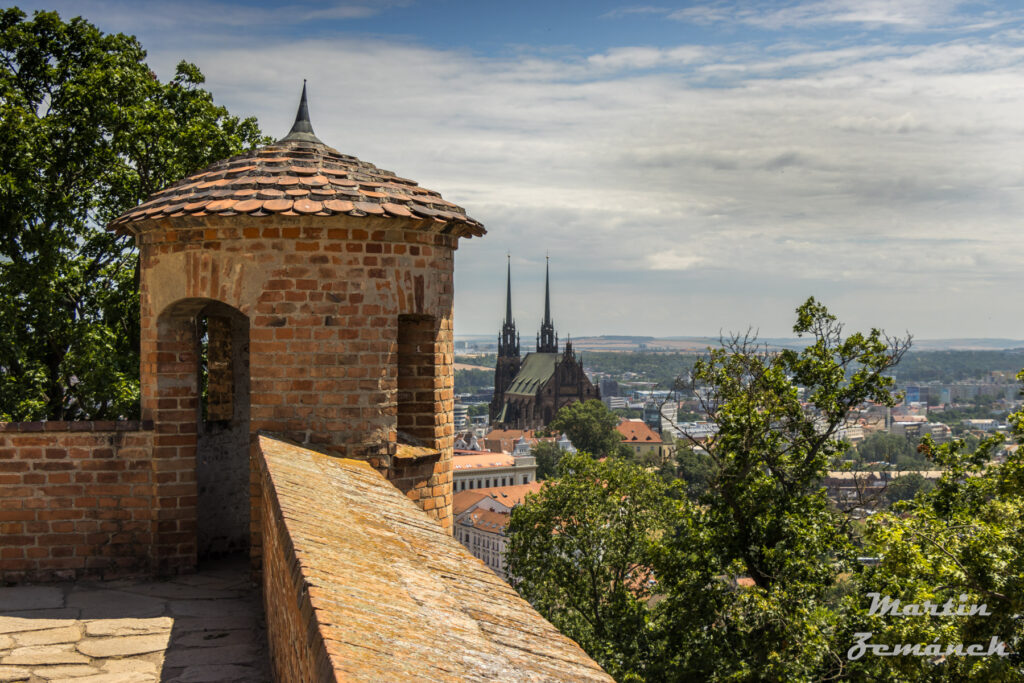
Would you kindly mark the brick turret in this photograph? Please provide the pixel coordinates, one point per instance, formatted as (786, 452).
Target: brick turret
(311, 293)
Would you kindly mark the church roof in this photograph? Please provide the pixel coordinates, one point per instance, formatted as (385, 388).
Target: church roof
(537, 368)
(299, 176)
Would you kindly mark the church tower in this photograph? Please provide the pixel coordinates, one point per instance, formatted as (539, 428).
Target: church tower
(508, 363)
(547, 340)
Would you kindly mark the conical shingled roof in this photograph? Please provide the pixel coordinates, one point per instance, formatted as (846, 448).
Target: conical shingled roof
(298, 175)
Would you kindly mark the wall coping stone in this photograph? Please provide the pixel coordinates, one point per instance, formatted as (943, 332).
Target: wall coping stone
(390, 594)
(407, 453)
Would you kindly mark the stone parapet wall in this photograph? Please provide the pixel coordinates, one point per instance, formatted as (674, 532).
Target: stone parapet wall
(297, 648)
(76, 500)
(360, 584)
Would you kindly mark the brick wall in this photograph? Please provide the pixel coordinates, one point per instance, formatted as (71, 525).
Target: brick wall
(297, 650)
(76, 500)
(324, 297)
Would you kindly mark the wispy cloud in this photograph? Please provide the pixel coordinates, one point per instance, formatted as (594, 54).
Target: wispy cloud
(907, 15)
(636, 10)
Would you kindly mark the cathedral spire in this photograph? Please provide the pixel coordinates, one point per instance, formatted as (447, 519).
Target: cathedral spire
(508, 291)
(547, 341)
(508, 340)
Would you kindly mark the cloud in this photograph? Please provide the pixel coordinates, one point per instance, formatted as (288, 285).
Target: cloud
(718, 183)
(907, 15)
(620, 12)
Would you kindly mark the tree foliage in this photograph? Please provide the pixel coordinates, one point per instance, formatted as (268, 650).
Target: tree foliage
(761, 516)
(86, 132)
(590, 427)
(581, 550)
(547, 454)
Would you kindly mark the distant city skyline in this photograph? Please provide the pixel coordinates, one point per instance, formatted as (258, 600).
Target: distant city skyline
(690, 167)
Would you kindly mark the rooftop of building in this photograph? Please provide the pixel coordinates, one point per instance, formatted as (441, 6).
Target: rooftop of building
(637, 431)
(537, 368)
(481, 460)
(487, 521)
(509, 496)
(299, 176)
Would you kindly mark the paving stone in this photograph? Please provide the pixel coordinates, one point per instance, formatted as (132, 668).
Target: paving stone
(226, 673)
(216, 639)
(215, 608)
(230, 623)
(171, 590)
(65, 671)
(106, 604)
(10, 674)
(124, 677)
(128, 627)
(203, 656)
(68, 634)
(44, 655)
(31, 597)
(123, 646)
(16, 624)
(133, 665)
(55, 613)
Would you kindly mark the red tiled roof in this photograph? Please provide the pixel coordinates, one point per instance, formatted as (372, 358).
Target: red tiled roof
(463, 500)
(295, 178)
(482, 460)
(510, 495)
(487, 520)
(636, 431)
(513, 434)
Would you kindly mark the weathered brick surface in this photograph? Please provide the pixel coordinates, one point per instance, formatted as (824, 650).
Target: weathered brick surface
(75, 500)
(350, 344)
(360, 585)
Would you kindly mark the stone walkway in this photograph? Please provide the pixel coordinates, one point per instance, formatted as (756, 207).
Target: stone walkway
(204, 627)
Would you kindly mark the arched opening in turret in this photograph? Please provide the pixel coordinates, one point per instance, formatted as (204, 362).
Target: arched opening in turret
(222, 443)
(201, 411)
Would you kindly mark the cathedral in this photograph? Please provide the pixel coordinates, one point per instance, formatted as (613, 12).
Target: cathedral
(529, 391)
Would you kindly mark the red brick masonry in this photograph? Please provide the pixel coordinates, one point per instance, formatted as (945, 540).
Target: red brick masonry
(76, 500)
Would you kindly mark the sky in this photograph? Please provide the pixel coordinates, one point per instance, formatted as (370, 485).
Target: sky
(689, 168)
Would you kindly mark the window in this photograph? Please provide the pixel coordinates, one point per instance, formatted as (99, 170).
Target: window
(417, 410)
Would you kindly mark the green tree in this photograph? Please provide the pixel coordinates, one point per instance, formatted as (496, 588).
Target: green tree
(580, 551)
(963, 542)
(471, 381)
(761, 514)
(906, 486)
(86, 132)
(696, 469)
(548, 454)
(590, 427)
(885, 447)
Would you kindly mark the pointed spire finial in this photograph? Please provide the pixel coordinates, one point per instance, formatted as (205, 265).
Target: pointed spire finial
(547, 290)
(508, 340)
(302, 129)
(548, 342)
(508, 291)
